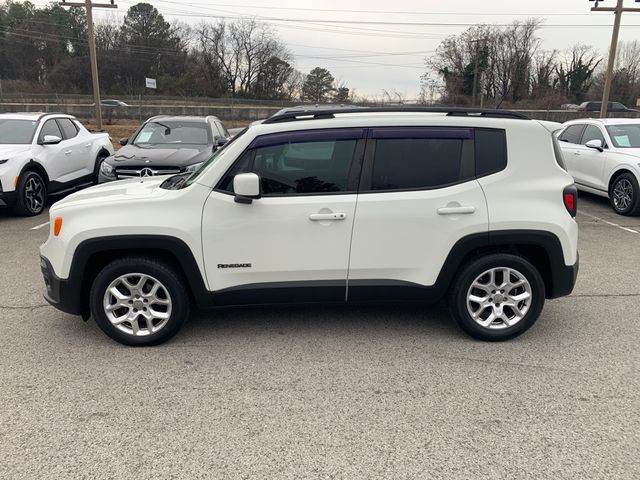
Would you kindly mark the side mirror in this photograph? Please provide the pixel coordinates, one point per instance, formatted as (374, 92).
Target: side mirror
(246, 186)
(51, 140)
(596, 144)
(123, 141)
(220, 141)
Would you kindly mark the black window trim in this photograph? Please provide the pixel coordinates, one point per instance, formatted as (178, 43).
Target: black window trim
(467, 162)
(353, 177)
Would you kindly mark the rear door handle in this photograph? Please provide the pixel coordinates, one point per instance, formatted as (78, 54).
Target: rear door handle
(327, 216)
(456, 210)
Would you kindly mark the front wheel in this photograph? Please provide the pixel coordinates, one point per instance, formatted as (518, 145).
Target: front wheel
(625, 195)
(139, 301)
(497, 297)
(32, 194)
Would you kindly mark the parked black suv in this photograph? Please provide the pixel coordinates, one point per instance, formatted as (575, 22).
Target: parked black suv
(165, 145)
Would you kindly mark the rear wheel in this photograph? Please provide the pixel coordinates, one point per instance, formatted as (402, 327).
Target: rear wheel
(139, 301)
(32, 194)
(625, 195)
(497, 297)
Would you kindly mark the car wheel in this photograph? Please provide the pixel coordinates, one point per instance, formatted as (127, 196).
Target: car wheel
(625, 195)
(497, 297)
(139, 301)
(32, 194)
(96, 171)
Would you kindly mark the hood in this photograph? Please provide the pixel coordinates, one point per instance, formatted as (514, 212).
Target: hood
(8, 151)
(165, 156)
(115, 192)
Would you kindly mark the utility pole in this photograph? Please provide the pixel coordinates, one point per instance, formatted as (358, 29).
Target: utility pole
(618, 9)
(474, 93)
(89, 6)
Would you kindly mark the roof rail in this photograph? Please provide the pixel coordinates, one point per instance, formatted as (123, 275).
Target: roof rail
(316, 114)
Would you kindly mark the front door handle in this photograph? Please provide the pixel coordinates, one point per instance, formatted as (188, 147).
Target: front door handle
(327, 216)
(67, 152)
(577, 153)
(456, 210)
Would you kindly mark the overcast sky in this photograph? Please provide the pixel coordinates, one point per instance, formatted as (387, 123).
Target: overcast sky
(373, 56)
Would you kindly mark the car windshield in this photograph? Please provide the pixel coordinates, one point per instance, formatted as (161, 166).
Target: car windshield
(17, 132)
(625, 135)
(172, 132)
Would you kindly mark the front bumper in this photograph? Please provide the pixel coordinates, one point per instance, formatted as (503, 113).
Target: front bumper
(8, 199)
(58, 292)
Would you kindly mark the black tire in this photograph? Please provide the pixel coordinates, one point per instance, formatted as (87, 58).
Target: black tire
(625, 195)
(132, 267)
(96, 172)
(499, 329)
(32, 194)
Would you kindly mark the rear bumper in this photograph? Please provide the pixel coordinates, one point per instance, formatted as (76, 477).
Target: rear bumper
(58, 292)
(564, 279)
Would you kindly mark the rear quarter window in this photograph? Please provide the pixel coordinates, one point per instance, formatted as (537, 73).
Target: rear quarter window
(491, 151)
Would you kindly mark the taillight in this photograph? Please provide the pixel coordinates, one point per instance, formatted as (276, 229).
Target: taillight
(570, 198)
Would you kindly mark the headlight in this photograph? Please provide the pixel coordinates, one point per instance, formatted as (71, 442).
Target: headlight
(193, 168)
(3, 160)
(106, 169)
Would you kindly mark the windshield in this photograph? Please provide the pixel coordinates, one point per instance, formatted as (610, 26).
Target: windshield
(17, 131)
(171, 133)
(625, 136)
(213, 158)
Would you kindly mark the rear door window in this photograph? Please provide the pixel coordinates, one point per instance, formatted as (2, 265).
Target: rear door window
(69, 129)
(420, 158)
(572, 134)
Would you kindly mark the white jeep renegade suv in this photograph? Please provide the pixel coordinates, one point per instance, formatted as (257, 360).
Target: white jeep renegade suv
(329, 207)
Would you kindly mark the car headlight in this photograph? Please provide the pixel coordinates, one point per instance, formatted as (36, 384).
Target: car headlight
(3, 160)
(193, 168)
(107, 169)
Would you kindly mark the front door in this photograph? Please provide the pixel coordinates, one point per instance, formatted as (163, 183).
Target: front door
(292, 244)
(589, 162)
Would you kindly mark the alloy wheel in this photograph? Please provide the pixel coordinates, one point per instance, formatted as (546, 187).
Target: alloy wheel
(623, 194)
(137, 304)
(34, 194)
(499, 298)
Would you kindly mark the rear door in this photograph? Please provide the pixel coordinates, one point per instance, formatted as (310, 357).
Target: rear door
(571, 150)
(78, 162)
(292, 244)
(418, 197)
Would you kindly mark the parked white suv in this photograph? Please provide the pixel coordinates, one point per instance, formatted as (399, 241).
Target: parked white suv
(603, 156)
(46, 153)
(329, 207)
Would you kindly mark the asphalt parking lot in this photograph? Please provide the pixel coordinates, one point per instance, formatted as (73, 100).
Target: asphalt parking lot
(393, 392)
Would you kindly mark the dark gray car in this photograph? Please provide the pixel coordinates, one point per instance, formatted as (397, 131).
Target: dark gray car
(165, 145)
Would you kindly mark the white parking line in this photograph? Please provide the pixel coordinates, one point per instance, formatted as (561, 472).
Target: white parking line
(626, 229)
(40, 226)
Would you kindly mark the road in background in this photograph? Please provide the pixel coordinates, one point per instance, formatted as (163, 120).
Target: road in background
(367, 392)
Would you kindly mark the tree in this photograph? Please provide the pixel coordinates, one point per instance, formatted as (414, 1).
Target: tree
(318, 85)
(149, 47)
